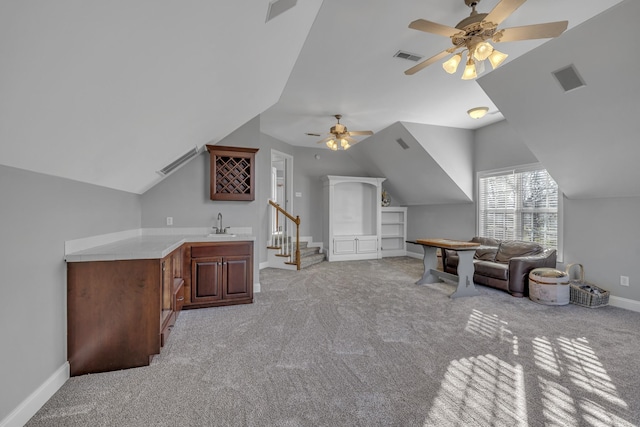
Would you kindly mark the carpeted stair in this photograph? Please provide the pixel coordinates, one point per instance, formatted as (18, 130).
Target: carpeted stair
(310, 256)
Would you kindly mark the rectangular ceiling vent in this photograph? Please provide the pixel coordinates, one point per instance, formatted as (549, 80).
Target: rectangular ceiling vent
(276, 7)
(568, 78)
(402, 144)
(408, 56)
(179, 161)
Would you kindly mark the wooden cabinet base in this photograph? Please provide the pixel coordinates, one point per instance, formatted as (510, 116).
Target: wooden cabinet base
(218, 274)
(109, 327)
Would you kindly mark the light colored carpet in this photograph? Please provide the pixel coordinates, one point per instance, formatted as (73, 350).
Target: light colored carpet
(359, 344)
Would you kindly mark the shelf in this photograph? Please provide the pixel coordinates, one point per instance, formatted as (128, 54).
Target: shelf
(394, 231)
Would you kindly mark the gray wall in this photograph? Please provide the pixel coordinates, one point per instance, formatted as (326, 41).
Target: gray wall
(39, 213)
(601, 234)
(308, 172)
(184, 195)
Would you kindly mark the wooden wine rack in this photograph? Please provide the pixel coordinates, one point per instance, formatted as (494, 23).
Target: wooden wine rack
(232, 172)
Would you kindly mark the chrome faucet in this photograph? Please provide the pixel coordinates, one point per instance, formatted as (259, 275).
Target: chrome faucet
(219, 229)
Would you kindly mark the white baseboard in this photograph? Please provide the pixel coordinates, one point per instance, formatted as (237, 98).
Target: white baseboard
(264, 265)
(415, 255)
(625, 303)
(27, 409)
(256, 287)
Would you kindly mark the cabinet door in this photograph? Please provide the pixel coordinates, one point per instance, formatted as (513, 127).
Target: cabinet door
(344, 245)
(206, 279)
(237, 280)
(366, 244)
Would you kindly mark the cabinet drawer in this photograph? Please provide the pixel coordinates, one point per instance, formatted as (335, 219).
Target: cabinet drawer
(221, 249)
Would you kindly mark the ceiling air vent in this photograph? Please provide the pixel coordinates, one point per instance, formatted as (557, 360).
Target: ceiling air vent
(179, 161)
(406, 55)
(402, 144)
(276, 7)
(568, 78)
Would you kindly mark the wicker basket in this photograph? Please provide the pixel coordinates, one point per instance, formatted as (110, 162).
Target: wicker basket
(581, 291)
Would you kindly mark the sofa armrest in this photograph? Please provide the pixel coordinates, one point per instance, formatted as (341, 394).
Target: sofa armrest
(520, 267)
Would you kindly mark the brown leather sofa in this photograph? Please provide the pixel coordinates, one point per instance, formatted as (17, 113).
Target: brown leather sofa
(503, 264)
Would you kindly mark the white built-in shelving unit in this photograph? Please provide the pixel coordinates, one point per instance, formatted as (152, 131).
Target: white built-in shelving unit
(352, 226)
(394, 231)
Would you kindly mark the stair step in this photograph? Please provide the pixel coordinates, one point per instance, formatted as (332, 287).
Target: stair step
(311, 260)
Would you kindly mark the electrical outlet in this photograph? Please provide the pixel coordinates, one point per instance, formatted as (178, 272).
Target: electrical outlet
(169, 220)
(624, 280)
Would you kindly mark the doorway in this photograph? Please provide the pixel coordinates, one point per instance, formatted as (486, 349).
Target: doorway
(281, 188)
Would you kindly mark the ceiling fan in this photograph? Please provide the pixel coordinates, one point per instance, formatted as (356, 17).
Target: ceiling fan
(474, 33)
(339, 137)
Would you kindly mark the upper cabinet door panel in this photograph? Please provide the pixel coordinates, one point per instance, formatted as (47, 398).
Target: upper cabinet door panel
(232, 171)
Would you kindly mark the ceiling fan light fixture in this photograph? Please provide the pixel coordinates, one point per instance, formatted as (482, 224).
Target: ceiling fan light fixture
(496, 58)
(451, 65)
(470, 70)
(482, 51)
(478, 112)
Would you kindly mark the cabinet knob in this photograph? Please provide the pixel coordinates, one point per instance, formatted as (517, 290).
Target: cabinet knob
(180, 299)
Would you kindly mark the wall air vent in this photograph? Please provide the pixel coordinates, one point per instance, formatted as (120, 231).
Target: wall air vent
(179, 161)
(568, 78)
(408, 56)
(402, 144)
(276, 7)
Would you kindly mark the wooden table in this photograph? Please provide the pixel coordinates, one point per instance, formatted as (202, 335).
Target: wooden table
(466, 250)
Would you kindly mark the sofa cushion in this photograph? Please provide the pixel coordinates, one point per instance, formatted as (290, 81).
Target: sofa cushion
(486, 241)
(515, 248)
(486, 253)
(492, 269)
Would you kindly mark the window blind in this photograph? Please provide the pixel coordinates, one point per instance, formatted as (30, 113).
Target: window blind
(519, 205)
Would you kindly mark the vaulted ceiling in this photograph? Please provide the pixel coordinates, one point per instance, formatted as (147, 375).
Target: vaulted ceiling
(110, 92)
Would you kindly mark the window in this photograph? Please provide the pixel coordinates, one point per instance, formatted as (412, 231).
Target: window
(520, 204)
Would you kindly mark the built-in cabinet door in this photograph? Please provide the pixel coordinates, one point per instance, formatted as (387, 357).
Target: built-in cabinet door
(344, 245)
(236, 283)
(366, 244)
(206, 279)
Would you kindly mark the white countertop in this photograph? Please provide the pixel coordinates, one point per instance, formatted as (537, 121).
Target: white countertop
(147, 244)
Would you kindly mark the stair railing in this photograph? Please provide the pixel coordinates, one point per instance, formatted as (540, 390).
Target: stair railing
(280, 237)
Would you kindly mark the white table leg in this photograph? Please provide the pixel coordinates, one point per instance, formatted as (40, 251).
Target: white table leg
(430, 261)
(466, 287)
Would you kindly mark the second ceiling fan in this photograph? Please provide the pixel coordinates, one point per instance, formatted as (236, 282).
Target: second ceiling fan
(339, 137)
(474, 33)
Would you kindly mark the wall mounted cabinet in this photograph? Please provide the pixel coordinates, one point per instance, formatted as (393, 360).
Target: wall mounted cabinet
(232, 172)
(352, 217)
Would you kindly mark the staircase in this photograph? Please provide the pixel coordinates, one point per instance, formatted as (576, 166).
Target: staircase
(287, 250)
(309, 255)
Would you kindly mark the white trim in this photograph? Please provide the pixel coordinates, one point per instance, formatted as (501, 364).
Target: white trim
(36, 400)
(264, 265)
(627, 304)
(256, 287)
(415, 255)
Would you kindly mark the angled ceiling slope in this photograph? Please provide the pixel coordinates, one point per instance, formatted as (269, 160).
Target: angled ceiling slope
(586, 137)
(110, 92)
(423, 164)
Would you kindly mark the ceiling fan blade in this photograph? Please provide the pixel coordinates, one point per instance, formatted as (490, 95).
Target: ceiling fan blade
(502, 11)
(434, 28)
(426, 63)
(528, 32)
(360, 132)
(312, 134)
(324, 140)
